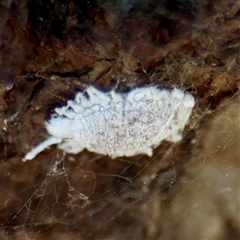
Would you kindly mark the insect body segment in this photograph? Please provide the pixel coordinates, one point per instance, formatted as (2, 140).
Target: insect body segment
(118, 124)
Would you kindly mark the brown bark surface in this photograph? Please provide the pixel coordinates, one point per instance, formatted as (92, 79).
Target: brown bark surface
(52, 49)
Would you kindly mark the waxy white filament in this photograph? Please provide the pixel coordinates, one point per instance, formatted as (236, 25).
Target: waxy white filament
(118, 124)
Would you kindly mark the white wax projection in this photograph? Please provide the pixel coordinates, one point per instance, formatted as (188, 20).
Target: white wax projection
(118, 124)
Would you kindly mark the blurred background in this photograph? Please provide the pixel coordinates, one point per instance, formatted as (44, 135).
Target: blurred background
(52, 49)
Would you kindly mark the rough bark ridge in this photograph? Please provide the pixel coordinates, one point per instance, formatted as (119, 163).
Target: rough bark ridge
(50, 50)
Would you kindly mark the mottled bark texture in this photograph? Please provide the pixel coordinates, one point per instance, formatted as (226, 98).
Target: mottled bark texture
(50, 50)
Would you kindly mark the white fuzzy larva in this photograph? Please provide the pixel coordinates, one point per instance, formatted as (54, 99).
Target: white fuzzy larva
(118, 124)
